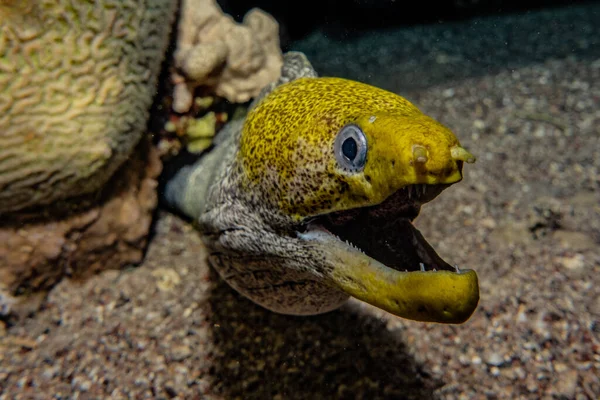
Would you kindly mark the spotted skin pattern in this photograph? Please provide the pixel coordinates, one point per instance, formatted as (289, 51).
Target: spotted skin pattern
(277, 169)
(286, 146)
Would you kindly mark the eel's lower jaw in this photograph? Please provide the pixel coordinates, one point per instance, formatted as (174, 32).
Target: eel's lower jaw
(443, 296)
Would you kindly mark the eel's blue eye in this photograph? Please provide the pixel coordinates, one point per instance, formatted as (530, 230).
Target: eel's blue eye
(351, 148)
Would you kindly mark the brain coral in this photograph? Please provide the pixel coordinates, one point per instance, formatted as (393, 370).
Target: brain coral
(77, 78)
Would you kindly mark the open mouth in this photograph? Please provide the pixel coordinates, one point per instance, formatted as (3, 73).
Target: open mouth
(385, 232)
(378, 256)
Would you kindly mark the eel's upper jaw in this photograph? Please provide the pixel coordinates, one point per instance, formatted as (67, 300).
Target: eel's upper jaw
(378, 256)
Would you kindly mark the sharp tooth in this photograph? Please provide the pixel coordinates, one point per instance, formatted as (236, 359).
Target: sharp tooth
(456, 268)
(409, 192)
(422, 267)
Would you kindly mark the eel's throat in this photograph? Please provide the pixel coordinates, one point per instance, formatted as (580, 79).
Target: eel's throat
(385, 232)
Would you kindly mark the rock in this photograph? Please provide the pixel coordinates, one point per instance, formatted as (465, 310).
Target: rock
(235, 60)
(36, 253)
(565, 384)
(180, 352)
(494, 359)
(166, 279)
(576, 261)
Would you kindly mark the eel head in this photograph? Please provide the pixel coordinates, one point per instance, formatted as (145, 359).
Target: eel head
(353, 170)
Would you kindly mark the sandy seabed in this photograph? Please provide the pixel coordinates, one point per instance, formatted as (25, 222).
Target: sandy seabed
(526, 218)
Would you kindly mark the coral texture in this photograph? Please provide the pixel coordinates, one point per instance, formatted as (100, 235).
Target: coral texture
(112, 234)
(235, 60)
(77, 80)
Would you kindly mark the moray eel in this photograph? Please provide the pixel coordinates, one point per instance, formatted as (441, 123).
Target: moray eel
(310, 200)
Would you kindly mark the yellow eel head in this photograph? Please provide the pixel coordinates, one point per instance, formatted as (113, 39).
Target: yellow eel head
(350, 165)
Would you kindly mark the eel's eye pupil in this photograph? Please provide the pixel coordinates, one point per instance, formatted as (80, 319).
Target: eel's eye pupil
(349, 148)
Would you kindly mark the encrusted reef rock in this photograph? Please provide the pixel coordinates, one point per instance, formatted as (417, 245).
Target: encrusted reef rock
(77, 79)
(36, 254)
(235, 60)
(77, 185)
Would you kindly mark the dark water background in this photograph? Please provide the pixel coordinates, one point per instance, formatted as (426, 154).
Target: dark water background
(385, 43)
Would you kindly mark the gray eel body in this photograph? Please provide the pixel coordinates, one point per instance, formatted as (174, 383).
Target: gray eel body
(247, 239)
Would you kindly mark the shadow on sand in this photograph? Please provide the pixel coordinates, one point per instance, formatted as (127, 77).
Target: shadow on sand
(342, 354)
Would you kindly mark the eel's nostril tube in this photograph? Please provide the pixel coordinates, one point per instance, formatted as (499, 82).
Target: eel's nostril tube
(419, 154)
(460, 154)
